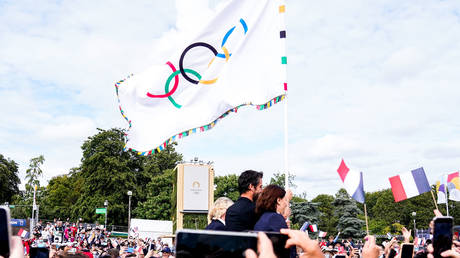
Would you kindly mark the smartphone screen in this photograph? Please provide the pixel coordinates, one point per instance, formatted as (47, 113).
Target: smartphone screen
(442, 237)
(407, 250)
(208, 243)
(39, 252)
(279, 243)
(4, 232)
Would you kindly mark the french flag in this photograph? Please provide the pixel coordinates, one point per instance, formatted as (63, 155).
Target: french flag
(322, 234)
(410, 184)
(353, 182)
(23, 233)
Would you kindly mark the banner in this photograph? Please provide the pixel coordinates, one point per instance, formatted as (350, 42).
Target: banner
(196, 188)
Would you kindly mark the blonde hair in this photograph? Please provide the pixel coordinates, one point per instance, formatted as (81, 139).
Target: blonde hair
(219, 207)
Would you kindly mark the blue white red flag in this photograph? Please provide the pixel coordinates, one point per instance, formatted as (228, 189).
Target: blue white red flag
(410, 184)
(353, 182)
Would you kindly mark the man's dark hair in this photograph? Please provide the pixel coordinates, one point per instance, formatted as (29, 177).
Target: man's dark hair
(248, 177)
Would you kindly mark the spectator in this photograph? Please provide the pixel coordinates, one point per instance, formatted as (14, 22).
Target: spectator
(240, 216)
(269, 207)
(217, 213)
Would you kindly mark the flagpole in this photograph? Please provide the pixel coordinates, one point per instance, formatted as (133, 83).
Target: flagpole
(365, 215)
(434, 200)
(447, 202)
(286, 165)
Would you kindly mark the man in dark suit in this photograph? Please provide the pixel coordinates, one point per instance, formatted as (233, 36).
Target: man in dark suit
(241, 216)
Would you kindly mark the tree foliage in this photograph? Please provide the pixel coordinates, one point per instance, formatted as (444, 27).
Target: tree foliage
(327, 220)
(33, 173)
(9, 179)
(347, 212)
(279, 180)
(226, 186)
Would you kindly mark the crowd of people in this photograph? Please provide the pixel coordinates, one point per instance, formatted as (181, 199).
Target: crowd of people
(257, 209)
(65, 239)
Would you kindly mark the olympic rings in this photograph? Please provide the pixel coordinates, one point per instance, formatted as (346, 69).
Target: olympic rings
(176, 83)
(181, 60)
(174, 74)
(226, 55)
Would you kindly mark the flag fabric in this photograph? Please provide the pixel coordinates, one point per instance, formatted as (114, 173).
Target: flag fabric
(353, 182)
(313, 228)
(305, 226)
(453, 185)
(410, 184)
(237, 59)
(23, 233)
(441, 189)
(322, 234)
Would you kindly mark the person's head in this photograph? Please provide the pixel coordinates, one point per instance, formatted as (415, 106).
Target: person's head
(219, 208)
(250, 181)
(271, 199)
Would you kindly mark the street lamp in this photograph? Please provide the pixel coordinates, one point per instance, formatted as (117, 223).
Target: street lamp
(129, 212)
(413, 215)
(106, 203)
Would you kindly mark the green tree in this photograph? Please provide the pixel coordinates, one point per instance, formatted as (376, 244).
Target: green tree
(346, 209)
(109, 173)
(61, 193)
(160, 199)
(279, 178)
(226, 186)
(302, 212)
(327, 220)
(9, 179)
(33, 173)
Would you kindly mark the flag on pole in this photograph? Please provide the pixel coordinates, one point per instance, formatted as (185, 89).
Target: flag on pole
(322, 234)
(441, 189)
(313, 228)
(237, 59)
(23, 233)
(410, 184)
(453, 185)
(353, 182)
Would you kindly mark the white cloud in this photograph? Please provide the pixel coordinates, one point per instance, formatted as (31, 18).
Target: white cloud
(375, 83)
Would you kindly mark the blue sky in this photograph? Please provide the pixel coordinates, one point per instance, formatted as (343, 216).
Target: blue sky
(375, 83)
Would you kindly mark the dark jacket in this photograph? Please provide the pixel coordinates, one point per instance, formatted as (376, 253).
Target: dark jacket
(216, 225)
(270, 221)
(240, 216)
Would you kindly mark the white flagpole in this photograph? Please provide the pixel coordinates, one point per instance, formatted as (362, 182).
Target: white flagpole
(447, 202)
(282, 12)
(286, 165)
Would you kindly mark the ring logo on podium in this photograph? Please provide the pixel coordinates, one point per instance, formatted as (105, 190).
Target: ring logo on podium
(185, 72)
(196, 189)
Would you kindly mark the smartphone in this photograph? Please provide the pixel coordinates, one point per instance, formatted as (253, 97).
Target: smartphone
(442, 235)
(210, 243)
(39, 252)
(339, 256)
(407, 250)
(5, 231)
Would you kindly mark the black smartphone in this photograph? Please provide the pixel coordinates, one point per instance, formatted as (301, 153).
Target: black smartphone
(442, 235)
(210, 243)
(407, 250)
(39, 252)
(5, 231)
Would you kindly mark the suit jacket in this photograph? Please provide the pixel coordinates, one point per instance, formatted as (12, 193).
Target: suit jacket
(240, 216)
(270, 221)
(216, 225)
